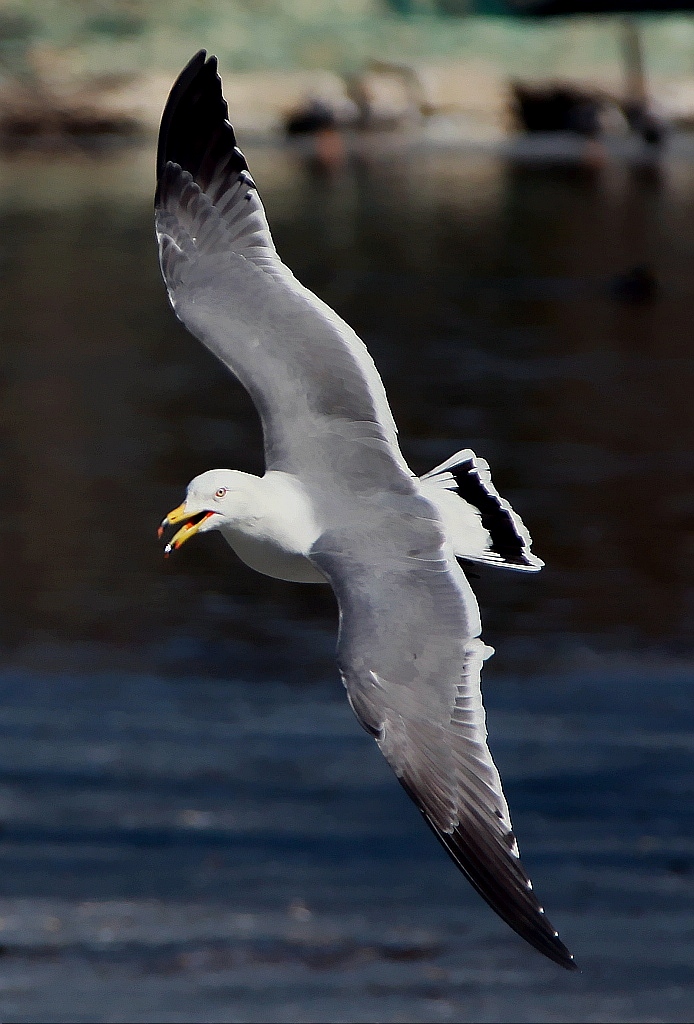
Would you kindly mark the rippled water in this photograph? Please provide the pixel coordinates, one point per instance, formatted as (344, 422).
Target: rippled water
(540, 316)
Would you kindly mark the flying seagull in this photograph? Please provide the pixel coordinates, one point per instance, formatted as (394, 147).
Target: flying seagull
(338, 502)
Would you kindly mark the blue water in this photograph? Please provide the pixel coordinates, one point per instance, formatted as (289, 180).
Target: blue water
(192, 824)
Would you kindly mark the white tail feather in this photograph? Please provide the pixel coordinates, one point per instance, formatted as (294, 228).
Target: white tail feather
(480, 524)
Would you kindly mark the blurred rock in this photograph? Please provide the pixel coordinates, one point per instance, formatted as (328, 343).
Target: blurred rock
(556, 107)
(313, 116)
(317, 112)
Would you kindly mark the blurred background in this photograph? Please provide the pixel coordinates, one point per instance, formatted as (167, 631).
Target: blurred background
(499, 197)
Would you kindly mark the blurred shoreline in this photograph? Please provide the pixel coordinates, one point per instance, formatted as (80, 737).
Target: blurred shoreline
(64, 80)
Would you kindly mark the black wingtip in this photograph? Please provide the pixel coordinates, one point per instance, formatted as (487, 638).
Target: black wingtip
(195, 132)
(502, 883)
(180, 86)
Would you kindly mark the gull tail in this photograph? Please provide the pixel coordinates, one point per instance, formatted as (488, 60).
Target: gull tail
(480, 524)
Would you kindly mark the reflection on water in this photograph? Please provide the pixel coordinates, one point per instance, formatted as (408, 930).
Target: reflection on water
(494, 302)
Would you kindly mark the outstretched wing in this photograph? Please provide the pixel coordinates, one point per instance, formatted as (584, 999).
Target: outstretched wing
(410, 657)
(311, 378)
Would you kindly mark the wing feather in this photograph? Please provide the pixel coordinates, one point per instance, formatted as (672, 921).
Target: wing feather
(315, 385)
(410, 657)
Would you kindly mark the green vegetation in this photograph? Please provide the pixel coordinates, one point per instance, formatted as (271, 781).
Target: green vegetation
(114, 36)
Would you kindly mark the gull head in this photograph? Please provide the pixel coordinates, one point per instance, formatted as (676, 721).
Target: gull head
(220, 496)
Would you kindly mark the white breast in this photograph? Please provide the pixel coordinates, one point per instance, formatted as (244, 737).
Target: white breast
(262, 555)
(275, 540)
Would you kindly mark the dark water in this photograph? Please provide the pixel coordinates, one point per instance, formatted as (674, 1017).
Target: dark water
(194, 827)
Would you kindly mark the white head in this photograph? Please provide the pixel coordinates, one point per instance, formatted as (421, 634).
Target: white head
(212, 499)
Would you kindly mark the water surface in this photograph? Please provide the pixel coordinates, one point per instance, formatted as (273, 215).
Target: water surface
(194, 827)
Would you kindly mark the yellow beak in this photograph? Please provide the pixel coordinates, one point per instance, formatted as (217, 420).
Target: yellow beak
(191, 525)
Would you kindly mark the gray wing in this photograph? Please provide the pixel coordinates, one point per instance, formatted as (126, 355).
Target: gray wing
(311, 378)
(410, 657)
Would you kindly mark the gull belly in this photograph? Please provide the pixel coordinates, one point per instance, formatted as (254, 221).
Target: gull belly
(266, 554)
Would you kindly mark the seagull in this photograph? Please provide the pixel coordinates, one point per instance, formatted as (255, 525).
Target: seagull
(338, 502)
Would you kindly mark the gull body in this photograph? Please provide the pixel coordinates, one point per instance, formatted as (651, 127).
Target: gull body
(269, 521)
(339, 503)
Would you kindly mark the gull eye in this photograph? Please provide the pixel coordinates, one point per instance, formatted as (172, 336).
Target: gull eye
(220, 492)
